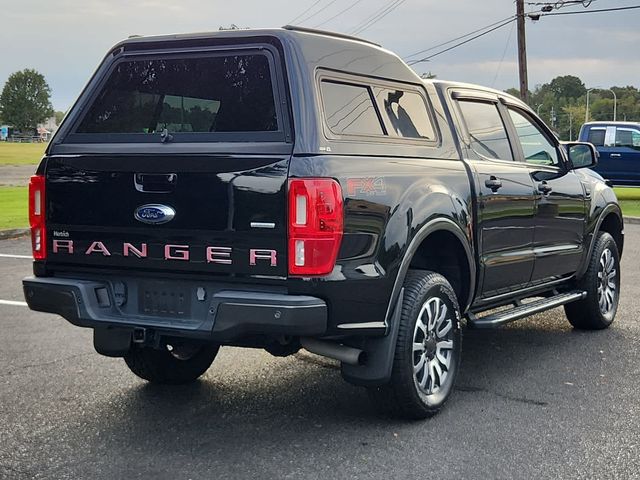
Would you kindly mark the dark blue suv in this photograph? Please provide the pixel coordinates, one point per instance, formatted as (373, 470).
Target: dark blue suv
(619, 147)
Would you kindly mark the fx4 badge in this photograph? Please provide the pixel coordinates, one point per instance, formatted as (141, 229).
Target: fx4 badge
(366, 186)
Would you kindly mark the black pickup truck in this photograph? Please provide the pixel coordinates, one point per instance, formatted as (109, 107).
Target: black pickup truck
(289, 188)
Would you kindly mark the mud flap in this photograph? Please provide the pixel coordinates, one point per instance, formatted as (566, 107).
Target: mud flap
(112, 342)
(379, 352)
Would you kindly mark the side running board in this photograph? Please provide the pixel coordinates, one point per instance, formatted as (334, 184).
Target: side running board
(524, 310)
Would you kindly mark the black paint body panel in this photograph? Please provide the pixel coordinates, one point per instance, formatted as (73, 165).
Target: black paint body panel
(395, 192)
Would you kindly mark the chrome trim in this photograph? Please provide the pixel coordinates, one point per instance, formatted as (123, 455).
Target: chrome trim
(263, 225)
(354, 326)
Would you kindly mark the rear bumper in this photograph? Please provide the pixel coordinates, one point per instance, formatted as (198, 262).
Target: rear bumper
(214, 312)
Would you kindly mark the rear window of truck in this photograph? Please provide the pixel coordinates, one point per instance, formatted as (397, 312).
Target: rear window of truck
(218, 94)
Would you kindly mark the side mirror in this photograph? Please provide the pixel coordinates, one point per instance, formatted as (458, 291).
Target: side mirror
(581, 154)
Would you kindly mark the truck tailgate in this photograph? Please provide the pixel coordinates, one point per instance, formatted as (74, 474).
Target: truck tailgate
(229, 213)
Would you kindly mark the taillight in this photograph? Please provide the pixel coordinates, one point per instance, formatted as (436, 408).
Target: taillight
(315, 225)
(37, 217)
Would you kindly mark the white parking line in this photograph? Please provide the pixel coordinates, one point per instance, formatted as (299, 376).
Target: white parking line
(13, 303)
(7, 255)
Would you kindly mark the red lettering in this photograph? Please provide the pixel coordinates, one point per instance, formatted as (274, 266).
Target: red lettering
(219, 255)
(60, 244)
(176, 252)
(129, 248)
(98, 247)
(261, 254)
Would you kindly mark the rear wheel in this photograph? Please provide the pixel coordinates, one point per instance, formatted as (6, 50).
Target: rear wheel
(174, 364)
(428, 349)
(602, 284)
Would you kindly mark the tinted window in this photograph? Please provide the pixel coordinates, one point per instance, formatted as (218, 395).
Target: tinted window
(596, 136)
(407, 114)
(535, 146)
(349, 109)
(627, 137)
(213, 94)
(486, 130)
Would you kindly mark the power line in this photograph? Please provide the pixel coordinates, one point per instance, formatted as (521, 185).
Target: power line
(414, 62)
(504, 54)
(614, 9)
(291, 22)
(458, 38)
(384, 14)
(385, 11)
(338, 14)
(561, 4)
(317, 12)
(369, 18)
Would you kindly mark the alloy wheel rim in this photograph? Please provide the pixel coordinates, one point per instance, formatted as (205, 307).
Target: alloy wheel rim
(432, 346)
(607, 286)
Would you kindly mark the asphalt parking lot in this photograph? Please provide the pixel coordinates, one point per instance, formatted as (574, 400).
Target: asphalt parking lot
(534, 400)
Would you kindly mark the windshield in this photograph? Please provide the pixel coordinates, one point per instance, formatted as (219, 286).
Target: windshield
(221, 93)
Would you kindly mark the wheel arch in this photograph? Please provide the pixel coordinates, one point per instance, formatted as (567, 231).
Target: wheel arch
(611, 221)
(457, 265)
(613, 224)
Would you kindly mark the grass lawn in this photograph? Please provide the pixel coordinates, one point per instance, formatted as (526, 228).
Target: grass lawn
(629, 200)
(13, 207)
(21, 153)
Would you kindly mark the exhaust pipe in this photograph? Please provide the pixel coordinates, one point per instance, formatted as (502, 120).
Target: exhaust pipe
(342, 353)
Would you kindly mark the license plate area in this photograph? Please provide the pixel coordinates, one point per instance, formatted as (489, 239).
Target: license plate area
(161, 299)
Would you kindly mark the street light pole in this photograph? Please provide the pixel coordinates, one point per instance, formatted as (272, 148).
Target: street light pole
(615, 104)
(586, 112)
(538, 109)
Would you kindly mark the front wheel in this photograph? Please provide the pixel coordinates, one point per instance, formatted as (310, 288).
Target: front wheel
(428, 349)
(602, 284)
(173, 364)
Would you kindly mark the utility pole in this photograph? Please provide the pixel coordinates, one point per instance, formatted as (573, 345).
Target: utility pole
(522, 52)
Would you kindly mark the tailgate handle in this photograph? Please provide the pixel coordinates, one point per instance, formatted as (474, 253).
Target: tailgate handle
(155, 182)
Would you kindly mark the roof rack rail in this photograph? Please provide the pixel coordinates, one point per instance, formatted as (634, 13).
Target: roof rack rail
(296, 28)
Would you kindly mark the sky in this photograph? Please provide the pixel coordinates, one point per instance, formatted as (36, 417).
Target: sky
(66, 39)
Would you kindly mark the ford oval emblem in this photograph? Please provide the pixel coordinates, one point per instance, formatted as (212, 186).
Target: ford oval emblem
(154, 214)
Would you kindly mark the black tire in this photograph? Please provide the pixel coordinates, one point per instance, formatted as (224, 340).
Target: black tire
(173, 365)
(590, 313)
(403, 396)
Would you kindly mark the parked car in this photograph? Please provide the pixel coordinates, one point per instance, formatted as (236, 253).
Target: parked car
(618, 144)
(289, 188)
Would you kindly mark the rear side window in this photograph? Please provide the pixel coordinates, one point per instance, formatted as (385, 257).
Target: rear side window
(596, 136)
(486, 130)
(407, 114)
(349, 109)
(627, 137)
(221, 93)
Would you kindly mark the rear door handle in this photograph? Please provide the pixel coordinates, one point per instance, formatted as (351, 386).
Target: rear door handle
(544, 188)
(615, 155)
(493, 183)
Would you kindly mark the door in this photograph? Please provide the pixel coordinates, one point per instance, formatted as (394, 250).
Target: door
(560, 208)
(505, 197)
(620, 155)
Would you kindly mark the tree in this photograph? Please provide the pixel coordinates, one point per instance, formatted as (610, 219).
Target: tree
(25, 100)
(59, 116)
(513, 91)
(568, 86)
